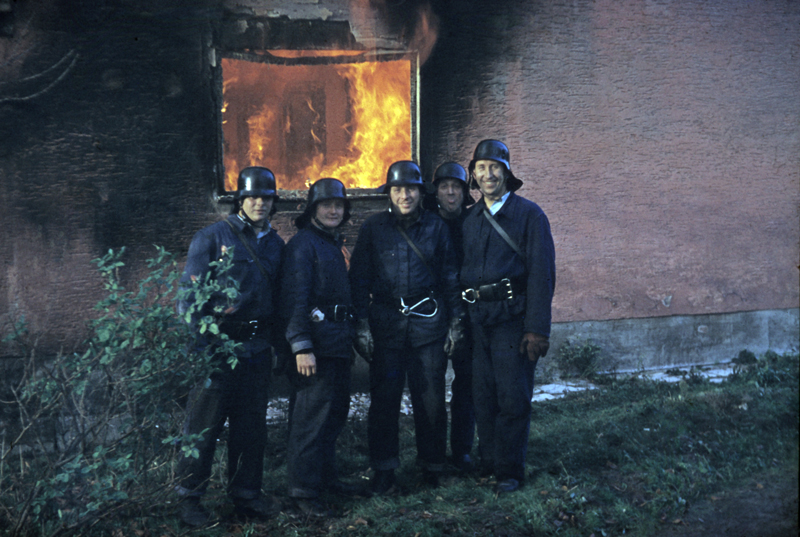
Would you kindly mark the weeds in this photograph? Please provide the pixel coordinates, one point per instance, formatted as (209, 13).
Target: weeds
(97, 432)
(578, 359)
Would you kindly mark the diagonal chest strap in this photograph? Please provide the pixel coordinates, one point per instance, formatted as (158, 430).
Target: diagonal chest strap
(416, 250)
(502, 232)
(249, 249)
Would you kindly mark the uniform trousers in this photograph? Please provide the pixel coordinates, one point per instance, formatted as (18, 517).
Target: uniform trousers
(240, 396)
(318, 409)
(462, 411)
(425, 367)
(502, 388)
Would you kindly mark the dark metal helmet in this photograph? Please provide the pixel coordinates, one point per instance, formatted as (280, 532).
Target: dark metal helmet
(450, 170)
(324, 189)
(403, 173)
(453, 170)
(255, 181)
(497, 151)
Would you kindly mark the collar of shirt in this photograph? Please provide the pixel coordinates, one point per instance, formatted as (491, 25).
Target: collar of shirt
(496, 206)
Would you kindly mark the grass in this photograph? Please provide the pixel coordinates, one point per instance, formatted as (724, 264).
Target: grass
(630, 456)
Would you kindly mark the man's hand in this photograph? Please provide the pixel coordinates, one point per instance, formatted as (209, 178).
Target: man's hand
(306, 363)
(364, 344)
(455, 337)
(534, 345)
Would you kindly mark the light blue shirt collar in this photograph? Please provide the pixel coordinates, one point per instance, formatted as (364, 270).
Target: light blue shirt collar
(496, 206)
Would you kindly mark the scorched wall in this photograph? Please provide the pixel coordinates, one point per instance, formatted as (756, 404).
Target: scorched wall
(661, 137)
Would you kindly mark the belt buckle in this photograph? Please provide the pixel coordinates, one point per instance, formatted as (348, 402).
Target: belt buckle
(509, 290)
(469, 295)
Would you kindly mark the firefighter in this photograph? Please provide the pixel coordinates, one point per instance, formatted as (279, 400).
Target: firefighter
(405, 290)
(451, 198)
(237, 394)
(317, 310)
(508, 275)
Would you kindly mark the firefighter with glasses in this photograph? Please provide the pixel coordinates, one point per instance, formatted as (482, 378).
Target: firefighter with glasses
(404, 281)
(237, 395)
(317, 310)
(508, 276)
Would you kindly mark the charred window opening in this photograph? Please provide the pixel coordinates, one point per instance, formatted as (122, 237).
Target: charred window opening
(310, 113)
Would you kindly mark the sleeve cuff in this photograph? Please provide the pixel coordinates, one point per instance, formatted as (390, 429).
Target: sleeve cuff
(302, 346)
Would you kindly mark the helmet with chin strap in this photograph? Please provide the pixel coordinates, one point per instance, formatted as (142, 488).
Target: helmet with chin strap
(322, 190)
(255, 181)
(497, 151)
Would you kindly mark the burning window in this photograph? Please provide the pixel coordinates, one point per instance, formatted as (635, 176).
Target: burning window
(311, 114)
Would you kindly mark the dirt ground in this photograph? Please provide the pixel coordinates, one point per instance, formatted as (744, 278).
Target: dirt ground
(764, 506)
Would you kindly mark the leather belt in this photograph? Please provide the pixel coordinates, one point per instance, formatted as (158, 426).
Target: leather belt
(244, 330)
(505, 289)
(338, 313)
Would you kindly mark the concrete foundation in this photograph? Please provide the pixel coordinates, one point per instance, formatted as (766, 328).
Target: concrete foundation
(655, 343)
(660, 342)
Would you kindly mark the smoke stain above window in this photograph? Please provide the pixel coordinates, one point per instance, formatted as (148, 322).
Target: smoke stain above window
(306, 115)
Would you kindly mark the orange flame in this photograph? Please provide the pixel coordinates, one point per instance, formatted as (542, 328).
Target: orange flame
(381, 126)
(304, 122)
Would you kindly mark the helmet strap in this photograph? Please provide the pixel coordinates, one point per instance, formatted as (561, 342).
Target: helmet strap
(251, 223)
(332, 231)
(322, 226)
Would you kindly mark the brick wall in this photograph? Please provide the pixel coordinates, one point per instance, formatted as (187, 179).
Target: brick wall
(662, 138)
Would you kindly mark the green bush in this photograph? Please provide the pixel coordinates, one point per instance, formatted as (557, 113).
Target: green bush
(578, 359)
(100, 430)
(768, 371)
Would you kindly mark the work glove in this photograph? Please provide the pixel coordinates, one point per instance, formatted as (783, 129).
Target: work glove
(534, 345)
(455, 337)
(364, 344)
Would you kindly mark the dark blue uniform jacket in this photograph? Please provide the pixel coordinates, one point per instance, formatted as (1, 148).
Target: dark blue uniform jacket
(384, 268)
(256, 300)
(314, 275)
(488, 259)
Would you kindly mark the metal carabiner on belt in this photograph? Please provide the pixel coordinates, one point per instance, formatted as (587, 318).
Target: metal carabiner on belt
(409, 310)
(469, 295)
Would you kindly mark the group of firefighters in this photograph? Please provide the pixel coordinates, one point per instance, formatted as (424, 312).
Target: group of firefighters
(434, 278)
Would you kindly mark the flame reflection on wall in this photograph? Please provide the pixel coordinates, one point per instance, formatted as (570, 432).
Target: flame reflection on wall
(305, 122)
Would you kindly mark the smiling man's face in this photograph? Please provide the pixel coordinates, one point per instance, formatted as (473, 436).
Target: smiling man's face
(491, 178)
(405, 199)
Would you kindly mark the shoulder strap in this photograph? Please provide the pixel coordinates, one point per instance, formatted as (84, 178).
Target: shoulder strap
(416, 250)
(249, 249)
(502, 233)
